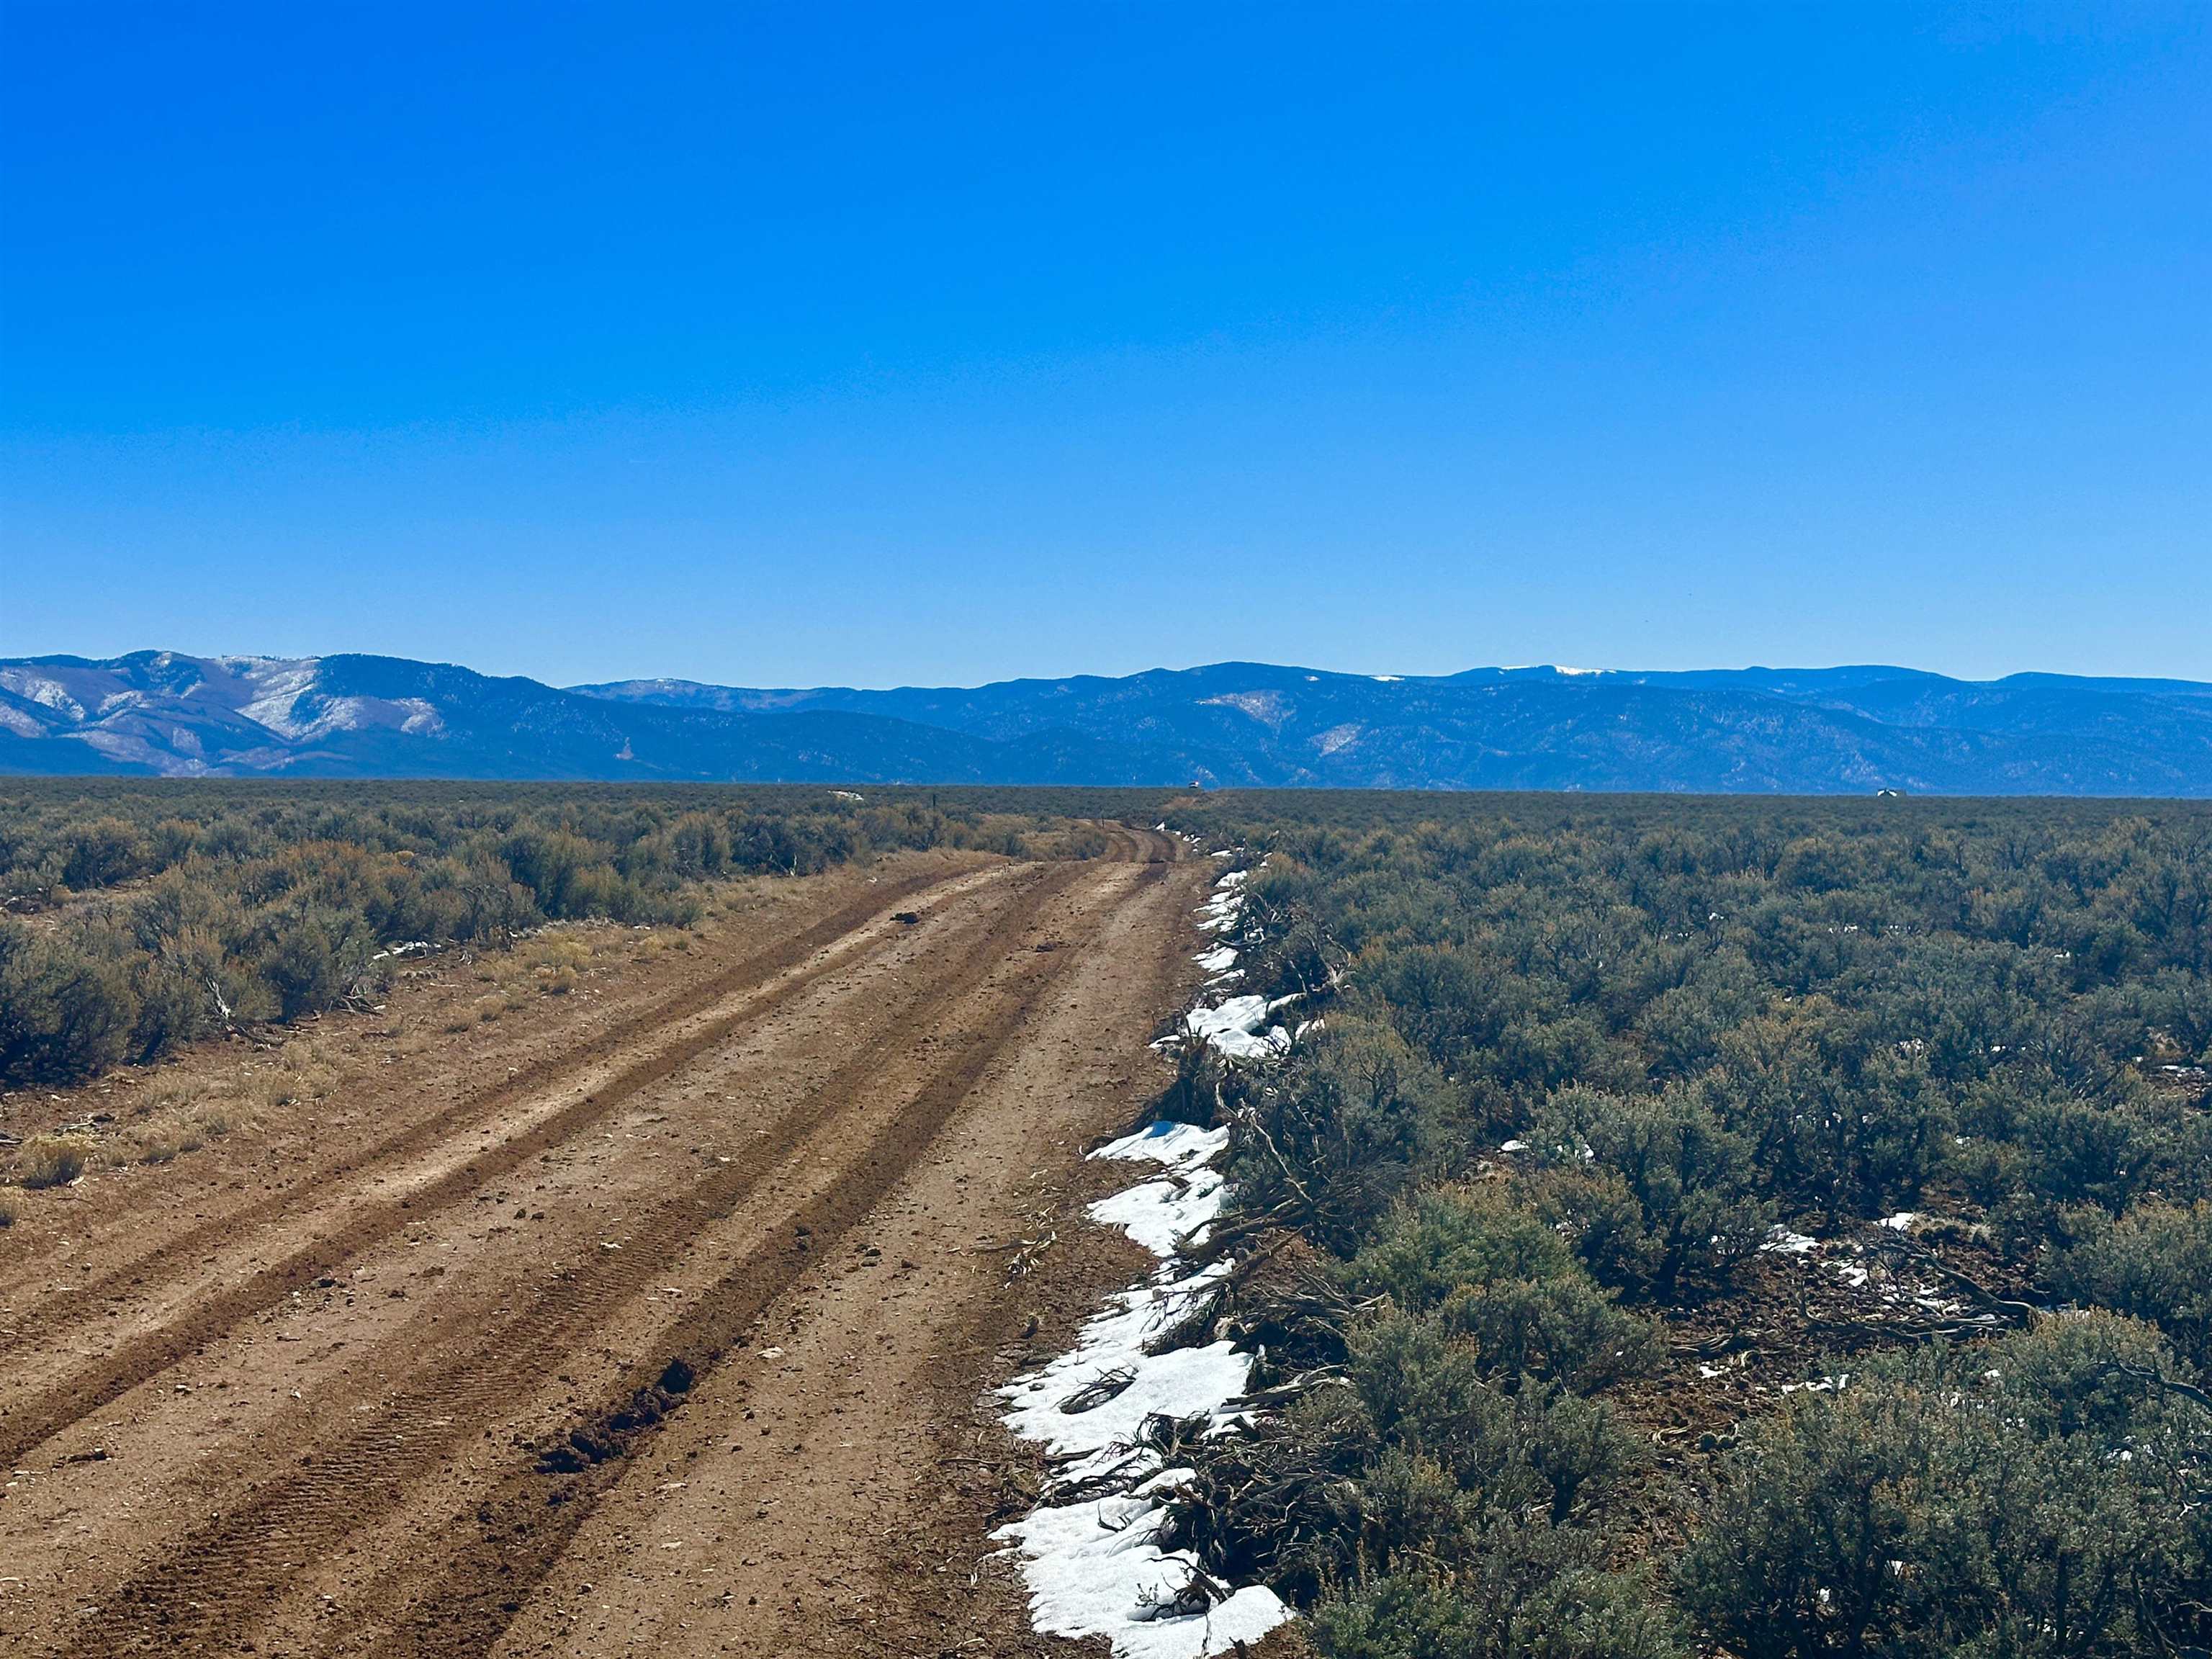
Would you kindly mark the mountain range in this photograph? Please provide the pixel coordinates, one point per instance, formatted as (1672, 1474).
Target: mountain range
(1823, 730)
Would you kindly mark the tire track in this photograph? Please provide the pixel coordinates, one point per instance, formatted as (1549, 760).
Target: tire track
(527, 1523)
(216, 1580)
(29, 1421)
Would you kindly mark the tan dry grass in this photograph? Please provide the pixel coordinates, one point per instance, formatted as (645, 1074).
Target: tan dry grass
(51, 1161)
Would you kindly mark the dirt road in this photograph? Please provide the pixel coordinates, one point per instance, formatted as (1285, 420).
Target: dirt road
(669, 1341)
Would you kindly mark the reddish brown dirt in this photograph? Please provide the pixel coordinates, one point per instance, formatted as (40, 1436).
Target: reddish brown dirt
(672, 1341)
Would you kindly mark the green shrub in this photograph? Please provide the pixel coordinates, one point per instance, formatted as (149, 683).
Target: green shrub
(2154, 1263)
(1516, 1603)
(1652, 1188)
(1503, 1442)
(107, 851)
(66, 1011)
(1493, 1272)
(314, 956)
(2039, 1496)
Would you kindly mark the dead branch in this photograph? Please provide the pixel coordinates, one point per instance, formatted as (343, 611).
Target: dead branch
(1972, 1289)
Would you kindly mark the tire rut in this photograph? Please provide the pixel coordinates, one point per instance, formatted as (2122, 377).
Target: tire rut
(526, 1525)
(38, 1417)
(220, 1577)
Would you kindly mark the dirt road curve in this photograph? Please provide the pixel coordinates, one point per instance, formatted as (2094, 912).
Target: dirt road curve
(669, 1342)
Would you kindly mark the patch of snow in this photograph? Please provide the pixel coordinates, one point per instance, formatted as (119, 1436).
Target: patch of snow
(1386, 679)
(15, 720)
(1178, 1145)
(1182, 1382)
(282, 685)
(1781, 1241)
(1266, 706)
(1336, 737)
(122, 746)
(1233, 1029)
(1825, 1385)
(1096, 1569)
(1225, 909)
(278, 687)
(1165, 1215)
(1512, 1146)
(36, 688)
(1902, 1221)
(1218, 961)
(421, 716)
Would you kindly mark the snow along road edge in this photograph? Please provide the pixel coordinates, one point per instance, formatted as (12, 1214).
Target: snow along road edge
(1094, 1566)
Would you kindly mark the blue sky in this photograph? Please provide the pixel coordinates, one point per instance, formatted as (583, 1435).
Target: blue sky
(869, 346)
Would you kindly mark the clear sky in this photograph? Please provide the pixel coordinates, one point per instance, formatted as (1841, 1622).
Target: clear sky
(821, 343)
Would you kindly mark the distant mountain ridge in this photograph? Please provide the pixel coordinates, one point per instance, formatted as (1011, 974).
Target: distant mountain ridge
(1849, 730)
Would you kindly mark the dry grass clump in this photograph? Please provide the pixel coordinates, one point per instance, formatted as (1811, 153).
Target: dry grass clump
(165, 1137)
(487, 1009)
(11, 1209)
(304, 1071)
(184, 1115)
(51, 1161)
(550, 964)
(550, 953)
(160, 1142)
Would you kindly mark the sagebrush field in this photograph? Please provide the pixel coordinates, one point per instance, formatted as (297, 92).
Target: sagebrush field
(1774, 1227)
(1678, 1226)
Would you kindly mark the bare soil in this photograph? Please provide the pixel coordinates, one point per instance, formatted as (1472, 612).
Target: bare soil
(654, 1317)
